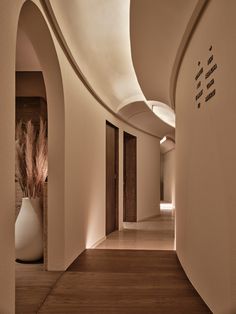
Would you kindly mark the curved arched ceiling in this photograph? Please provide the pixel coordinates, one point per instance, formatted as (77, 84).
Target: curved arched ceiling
(156, 30)
(97, 35)
(26, 58)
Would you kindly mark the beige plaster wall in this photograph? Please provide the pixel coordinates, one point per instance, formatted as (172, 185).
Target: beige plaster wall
(148, 172)
(9, 11)
(168, 164)
(85, 167)
(42, 42)
(76, 200)
(85, 126)
(206, 154)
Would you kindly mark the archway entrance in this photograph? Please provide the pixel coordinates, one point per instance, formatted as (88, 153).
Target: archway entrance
(41, 44)
(39, 92)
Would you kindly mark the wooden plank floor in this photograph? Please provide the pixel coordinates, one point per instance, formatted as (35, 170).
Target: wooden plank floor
(33, 285)
(124, 281)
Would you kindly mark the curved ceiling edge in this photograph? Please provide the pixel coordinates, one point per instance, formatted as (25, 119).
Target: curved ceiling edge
(193, 21)
(149, 121)
(132, 108)
(131, 100)
(61, 40)
(57, 31)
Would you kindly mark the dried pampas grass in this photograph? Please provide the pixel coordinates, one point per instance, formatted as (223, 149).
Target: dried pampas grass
(31, 158)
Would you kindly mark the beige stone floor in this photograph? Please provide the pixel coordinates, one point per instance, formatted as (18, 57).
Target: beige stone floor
(156, 233)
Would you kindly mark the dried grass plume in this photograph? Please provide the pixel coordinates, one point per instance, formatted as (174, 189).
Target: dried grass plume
(31, 158)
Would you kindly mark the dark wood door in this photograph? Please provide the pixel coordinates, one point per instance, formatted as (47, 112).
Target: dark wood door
(130, 177)
(111, 178)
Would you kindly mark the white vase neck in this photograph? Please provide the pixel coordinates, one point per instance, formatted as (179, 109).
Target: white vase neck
(31, 202)
(30, 198)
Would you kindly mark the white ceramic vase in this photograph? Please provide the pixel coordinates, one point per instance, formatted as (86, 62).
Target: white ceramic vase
(29, 231)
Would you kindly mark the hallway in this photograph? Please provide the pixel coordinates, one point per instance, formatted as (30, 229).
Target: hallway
(156, 233)
(134, 270)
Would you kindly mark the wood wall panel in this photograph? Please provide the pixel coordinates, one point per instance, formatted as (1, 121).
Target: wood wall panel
(130, 178)
(111, 178)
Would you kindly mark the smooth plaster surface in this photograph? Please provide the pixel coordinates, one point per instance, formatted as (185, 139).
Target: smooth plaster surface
(168, 164)
(206, 154)
(76, 201)
(9, 11)
(205, 160)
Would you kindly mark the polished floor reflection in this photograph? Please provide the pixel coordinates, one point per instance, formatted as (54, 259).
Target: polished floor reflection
(156, 233)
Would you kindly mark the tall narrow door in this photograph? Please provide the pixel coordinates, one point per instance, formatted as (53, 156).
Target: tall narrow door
(130, 178)
(111, 178)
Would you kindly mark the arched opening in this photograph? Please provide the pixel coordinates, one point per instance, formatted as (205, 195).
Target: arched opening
(38, 79)
(33, 26)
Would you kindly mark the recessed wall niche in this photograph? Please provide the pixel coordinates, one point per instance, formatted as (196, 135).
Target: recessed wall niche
(30, 105)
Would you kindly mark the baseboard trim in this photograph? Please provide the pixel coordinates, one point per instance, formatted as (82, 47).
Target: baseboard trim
(97, 243)
(148, 217)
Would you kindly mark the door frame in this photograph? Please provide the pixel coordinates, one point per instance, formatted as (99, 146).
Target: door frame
(116, 178)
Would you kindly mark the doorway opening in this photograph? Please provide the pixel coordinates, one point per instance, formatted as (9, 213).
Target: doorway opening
(31, 118)
(31, 108)
(155, 232)
(167, 177)
(112, 177)
(39, 93)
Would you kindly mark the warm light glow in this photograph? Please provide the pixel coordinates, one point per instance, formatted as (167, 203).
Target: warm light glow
(164, 112)
(166, 206)
(163, 140)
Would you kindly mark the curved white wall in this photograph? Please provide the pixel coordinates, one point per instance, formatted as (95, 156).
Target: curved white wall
(206, 155)
(39, 36)
(85, 166)
(168, 164)
(84, 181)
(9, 11)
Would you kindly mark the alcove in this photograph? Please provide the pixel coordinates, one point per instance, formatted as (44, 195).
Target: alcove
(39, 91)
